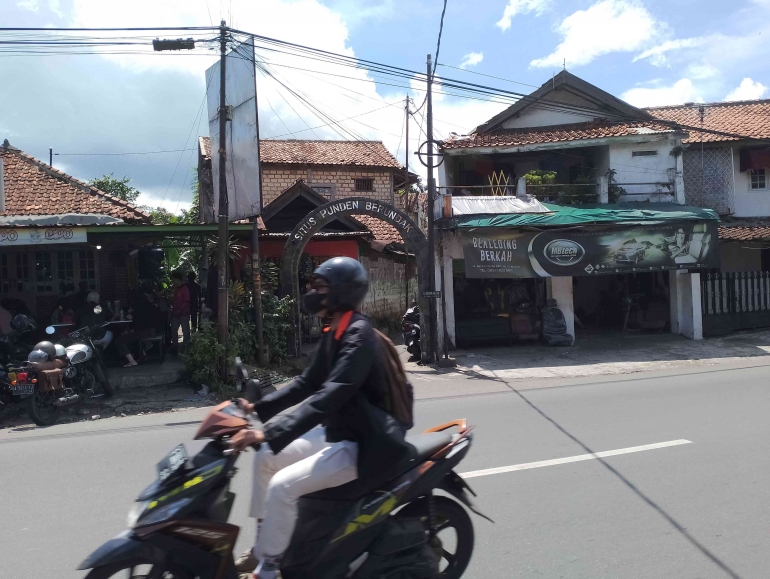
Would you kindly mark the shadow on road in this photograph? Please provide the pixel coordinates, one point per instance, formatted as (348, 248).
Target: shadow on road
(636, 490)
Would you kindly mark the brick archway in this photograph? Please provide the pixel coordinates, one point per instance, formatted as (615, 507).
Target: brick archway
(325, 214)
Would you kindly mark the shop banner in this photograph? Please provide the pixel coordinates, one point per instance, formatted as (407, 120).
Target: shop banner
(42, 236)
(510, 253)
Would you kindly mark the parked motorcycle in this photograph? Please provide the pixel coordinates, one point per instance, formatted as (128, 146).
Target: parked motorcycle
(410, 326)
(178, 527)
(15, 345)
(39, 381)
(84, 375)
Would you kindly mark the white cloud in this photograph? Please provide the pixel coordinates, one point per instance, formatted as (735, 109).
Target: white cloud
(472, 59)
(657, 54)
(682, 91)
(32, 5)
(702, 71)
(748, 90)
(148, 102)
(606, 26)
(515, 7)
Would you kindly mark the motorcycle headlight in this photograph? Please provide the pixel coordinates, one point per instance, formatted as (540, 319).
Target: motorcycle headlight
(136, 511)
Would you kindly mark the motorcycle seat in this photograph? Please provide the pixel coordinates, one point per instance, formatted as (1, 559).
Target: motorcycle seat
(428, 443)
(425, 445)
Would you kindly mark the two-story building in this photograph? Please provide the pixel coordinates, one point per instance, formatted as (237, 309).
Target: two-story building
(726, 167)
(575, 195)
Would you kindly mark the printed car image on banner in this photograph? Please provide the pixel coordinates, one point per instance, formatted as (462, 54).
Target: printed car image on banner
(506, 254)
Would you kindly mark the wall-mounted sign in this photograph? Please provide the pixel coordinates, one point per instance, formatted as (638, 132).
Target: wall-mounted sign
(509, 253)
(431, 294)
(42, 235)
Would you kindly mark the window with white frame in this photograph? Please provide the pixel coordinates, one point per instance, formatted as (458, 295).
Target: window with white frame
(758, 179)
(88, 269)
(5, 275)
(65, 274)
(43, 271)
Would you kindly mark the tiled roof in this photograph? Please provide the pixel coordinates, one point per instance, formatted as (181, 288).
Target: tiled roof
(382, 231)
(575, 132)
(34, 188)
(744, 233)
(750, 118)
(303, 152)
(744, 229)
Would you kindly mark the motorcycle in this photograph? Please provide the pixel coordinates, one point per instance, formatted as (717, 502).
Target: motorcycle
(38, 381)
(178, 527)
(84, 375)
(15, 345)
(410, 326)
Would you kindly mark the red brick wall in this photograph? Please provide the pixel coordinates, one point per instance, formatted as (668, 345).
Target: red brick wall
(277, 178)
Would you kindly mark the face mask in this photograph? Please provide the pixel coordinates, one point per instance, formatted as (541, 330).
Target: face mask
(313, 302)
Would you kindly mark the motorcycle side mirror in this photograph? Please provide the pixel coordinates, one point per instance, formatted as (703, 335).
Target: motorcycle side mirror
(253, 390)
(98, 310)
(50, 330)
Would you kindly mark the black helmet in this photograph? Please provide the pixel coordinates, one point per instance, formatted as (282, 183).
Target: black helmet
(348, 282)
(48, 348)
(21, 323)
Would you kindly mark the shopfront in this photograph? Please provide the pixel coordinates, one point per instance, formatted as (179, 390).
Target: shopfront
(609, 268)
(39, 264)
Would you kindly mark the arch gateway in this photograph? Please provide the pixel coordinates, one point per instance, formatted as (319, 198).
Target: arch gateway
(325, 214)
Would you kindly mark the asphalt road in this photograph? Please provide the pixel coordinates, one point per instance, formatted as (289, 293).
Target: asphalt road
(693, 510)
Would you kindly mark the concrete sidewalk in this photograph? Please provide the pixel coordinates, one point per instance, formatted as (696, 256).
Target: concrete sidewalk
(609, 353)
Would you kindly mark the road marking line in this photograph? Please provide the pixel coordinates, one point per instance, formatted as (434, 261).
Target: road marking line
(568, 459)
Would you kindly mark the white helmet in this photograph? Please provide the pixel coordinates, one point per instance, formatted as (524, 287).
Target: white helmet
(92, 297)
(60, 350)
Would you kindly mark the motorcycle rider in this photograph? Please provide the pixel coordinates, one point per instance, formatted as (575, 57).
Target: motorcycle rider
(344, 387)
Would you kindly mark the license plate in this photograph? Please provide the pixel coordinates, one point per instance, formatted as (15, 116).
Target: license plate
(23, 389)
(175, 460)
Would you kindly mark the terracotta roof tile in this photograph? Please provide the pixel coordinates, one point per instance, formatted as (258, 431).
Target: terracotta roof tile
(34, 188)
(382, 231)
(744, 233)
(306, 152)
(563, 133)
(750, 118)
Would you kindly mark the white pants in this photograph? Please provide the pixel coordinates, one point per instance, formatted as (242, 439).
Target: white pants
(307, 465)
(105, 341)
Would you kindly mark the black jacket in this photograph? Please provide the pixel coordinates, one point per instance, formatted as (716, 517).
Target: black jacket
(344, 387)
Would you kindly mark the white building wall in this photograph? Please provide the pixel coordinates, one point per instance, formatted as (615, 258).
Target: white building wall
(749, 202)
(540, 117)
(660, 168)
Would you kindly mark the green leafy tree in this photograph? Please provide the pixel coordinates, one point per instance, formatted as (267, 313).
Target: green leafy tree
(161, 216)
(119, 188)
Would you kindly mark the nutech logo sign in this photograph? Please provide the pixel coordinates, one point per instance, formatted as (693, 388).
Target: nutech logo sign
(564, 252)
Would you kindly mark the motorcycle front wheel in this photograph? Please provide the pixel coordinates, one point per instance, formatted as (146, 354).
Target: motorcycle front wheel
(136, 569)
(41, 408)
(454, 531)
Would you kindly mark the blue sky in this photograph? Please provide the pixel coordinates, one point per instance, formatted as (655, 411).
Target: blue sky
(649, 52)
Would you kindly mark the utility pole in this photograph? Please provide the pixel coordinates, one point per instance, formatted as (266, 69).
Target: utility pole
(50, 156)
(406, 207)
(256, 272)
(222, 257)
(433, 356)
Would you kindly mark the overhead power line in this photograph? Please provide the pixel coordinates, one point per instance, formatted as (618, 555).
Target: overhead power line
(121, 154)
(44, 41)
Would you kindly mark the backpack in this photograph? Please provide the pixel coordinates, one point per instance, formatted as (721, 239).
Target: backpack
(399, 400)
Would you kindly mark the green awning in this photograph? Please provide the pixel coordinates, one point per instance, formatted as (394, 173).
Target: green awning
(572, 215)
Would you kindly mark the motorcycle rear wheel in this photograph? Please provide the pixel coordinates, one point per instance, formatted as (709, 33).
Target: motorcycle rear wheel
(449, 516)
(135, 569)
(41, 408)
